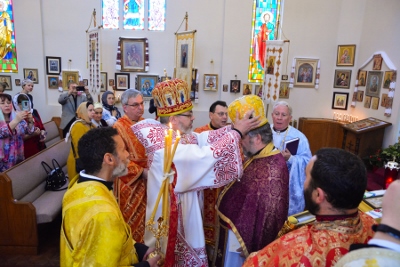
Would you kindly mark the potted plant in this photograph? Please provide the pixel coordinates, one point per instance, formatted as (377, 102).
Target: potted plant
(382, 156)
(392, 153)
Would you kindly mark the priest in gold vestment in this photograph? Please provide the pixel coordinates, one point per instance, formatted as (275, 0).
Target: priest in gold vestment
(93, 231)
(334, 187)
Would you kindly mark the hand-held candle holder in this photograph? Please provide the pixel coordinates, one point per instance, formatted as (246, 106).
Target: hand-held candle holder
(161, 231)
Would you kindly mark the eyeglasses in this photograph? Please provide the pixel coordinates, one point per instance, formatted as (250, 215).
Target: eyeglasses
(135, 105)
(186, 115)
(220, 114)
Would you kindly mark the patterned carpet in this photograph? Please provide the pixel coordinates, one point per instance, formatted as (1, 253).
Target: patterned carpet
(49, 249)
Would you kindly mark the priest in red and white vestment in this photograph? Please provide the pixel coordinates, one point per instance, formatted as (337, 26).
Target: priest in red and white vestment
(130, 189)
(208, 160)
(218, 114)
(335, 184)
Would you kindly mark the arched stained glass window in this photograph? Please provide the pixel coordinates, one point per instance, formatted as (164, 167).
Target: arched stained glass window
(266, 16)
(134, 14)
(8, 51)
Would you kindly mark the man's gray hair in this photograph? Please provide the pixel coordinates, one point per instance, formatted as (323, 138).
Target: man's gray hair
(285, 104)
(264, 131)
(129, 94)
(164, 119)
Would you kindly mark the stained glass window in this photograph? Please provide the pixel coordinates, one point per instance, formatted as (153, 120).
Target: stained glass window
(110, 14)
(134, 14)
(156, 15)
(8, 51)
(266, 16)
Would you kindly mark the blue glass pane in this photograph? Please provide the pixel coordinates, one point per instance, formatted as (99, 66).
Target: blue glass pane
(133, 14)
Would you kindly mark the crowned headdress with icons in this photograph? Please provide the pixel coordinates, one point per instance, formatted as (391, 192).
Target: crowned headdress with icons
(172, 97)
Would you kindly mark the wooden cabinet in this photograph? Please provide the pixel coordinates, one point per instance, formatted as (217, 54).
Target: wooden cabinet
(363, 137)
(321, 132)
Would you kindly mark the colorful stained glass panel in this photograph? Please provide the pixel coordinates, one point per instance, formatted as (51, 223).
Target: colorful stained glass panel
(266, 14)
(110, 14)
(8, 51)
(156, 15)
(134, 14)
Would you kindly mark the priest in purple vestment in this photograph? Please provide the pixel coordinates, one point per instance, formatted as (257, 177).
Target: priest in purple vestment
(253, 209)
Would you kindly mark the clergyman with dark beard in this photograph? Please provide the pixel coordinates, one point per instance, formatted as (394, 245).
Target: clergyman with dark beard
(333, 189)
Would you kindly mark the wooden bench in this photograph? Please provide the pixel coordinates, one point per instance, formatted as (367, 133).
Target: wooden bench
(24, 202)
(53, 133)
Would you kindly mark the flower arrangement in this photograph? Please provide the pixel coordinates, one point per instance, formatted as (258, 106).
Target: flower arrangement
(382, 156)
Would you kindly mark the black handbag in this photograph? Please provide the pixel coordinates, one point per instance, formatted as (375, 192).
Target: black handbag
(56, 177)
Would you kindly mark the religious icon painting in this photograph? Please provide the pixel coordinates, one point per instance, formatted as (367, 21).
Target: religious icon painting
(362, 77)
(122, 81)
(284, 90)
(367, 102)
(6, 80)
(53, 65)
(342, 79)
(225, 88)
(360, 96)
(103, 83)
(375, 103)
(346, 55)
(374, 83)
(235, 86)
(69, 76)
(271, 64)
(258, 90)
(387, 79)
(210, 82)
(247, 89)
(134, 54)
(340, 100)
(18, 82)
(384, 100)
(145, 84)
(31, 74)
(305, 72)
(377, 62)
(52, 82)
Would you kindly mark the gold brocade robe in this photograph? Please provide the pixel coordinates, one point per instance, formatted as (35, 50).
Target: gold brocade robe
(93, 231)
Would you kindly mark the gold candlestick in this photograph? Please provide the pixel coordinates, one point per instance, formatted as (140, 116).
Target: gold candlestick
(162, 230)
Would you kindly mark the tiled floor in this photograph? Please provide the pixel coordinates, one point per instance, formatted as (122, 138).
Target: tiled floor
(49, 249)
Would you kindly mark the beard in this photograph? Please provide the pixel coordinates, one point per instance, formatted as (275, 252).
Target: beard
(185, 129)
(311, 206)
(120, 170)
